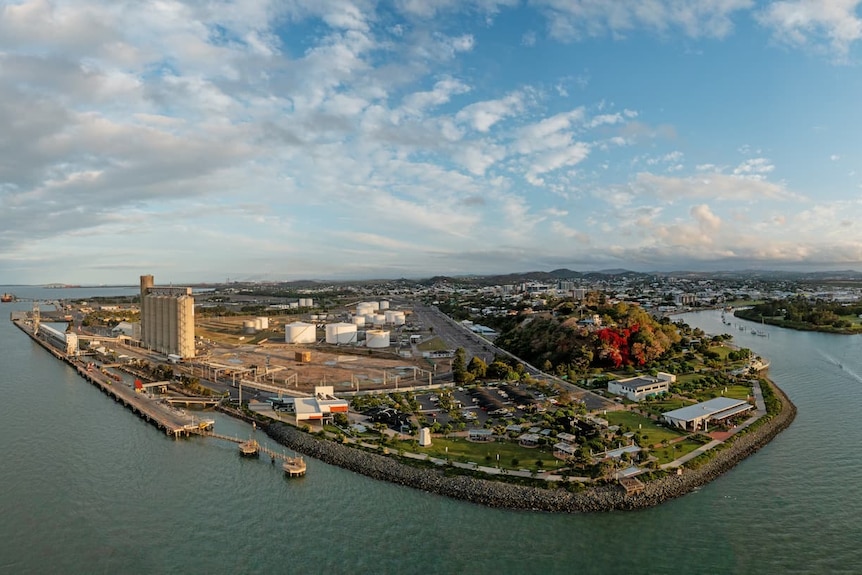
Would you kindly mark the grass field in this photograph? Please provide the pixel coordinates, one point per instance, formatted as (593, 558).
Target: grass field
(465, 451)
(668, 454)
(643, 426)
(733, 391)
(433, 344)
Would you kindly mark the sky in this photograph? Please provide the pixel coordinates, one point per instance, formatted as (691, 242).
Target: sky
(263, 140)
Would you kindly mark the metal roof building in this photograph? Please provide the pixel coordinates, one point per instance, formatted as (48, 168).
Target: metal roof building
(698, 416)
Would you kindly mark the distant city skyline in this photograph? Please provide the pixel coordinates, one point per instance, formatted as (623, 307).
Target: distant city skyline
(354, 139)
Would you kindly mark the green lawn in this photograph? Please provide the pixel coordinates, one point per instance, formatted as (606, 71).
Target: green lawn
(654, 434)
(733, 391)
(433, 344)
(466, 451)
(675, 451)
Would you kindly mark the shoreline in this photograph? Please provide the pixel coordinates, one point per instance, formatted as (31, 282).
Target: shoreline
(499, 494)
(504, 495)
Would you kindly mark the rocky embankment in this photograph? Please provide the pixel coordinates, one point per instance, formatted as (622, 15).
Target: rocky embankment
(500, 494)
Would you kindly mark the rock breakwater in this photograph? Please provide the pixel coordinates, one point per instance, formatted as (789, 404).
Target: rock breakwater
(512, 496)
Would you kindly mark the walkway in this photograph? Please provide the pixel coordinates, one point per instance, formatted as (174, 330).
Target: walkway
(760, 411)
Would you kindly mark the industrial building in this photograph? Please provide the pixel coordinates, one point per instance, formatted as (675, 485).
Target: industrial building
(65, 342)
(321, 406)
(167, 318)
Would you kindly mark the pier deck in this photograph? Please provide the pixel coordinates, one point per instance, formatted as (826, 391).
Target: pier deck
(293, 466)
(173, 421)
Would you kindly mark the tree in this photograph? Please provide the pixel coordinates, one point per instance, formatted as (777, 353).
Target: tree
(478, 367)
(459, 365)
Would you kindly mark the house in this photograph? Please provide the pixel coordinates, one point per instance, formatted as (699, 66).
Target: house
(529, 440)
(480, 435)
(567, 437)
(698, 416)
(564, 450)
(637, 388)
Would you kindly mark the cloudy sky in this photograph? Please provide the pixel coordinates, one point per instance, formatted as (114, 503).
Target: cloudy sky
(285, 139)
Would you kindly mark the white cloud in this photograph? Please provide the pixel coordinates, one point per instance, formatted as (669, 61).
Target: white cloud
(418, 102)
(708, 221)
(575, 19)
(754, 168)
(801, 22)
(483, 115)
(714, 185)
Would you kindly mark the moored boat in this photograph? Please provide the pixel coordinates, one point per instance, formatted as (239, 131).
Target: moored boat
(7, 297)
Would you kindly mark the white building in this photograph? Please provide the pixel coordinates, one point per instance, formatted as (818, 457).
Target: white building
(637, 388)
(321, 406)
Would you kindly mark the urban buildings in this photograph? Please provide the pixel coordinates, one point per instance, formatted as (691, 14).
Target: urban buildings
(167, 318)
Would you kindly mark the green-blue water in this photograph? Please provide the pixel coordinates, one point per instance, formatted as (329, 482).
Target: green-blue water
(87, 487)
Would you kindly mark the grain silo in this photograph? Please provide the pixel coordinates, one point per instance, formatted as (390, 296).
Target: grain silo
(377, 338)
(337, 333)
(300, 332)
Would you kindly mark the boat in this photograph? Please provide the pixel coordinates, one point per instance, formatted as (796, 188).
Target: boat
(7, 297)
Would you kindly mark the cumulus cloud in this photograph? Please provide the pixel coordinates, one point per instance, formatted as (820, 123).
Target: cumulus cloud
(835, 23)
(483, 115)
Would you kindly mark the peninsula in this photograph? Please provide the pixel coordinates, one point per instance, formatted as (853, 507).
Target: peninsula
(627, 408)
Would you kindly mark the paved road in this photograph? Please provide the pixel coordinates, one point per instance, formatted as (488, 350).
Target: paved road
(457, 335)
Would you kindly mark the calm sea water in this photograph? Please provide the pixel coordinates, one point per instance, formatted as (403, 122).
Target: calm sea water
(87, 487)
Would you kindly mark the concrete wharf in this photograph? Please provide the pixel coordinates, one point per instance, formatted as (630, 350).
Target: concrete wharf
(174, 422)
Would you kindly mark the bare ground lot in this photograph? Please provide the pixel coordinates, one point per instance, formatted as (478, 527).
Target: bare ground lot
(345, 367)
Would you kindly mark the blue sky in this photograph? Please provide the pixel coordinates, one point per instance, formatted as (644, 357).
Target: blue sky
(289, 139)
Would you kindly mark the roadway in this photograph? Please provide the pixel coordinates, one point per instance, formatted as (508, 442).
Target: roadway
(458, 335)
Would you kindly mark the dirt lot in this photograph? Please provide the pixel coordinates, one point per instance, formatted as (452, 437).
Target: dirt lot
(345, 369)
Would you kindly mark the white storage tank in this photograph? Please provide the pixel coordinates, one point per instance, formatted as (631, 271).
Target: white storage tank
(369, 318)
(383, 304)
(364, 308)
(378, 319)
(300, 332)
(249, 327)
(306, 302)
(377, 338)
(337, 333)
(262, 322)
(394, 317)
(359, 321)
